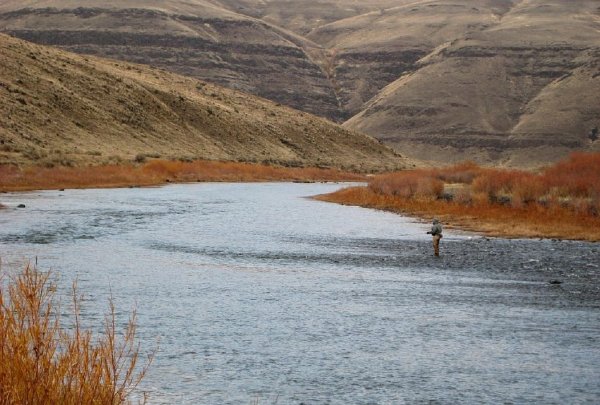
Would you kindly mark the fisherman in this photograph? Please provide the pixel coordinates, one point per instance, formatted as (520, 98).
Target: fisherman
(436, 232)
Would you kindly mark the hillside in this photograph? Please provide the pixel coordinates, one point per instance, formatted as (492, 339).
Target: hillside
(497, 81)
(522, 91)
(60, 108)
(374, 49)
(193, 38)
(302, 17)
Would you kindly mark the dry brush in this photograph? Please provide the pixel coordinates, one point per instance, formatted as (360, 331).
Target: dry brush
(561, 201)
(44, 362)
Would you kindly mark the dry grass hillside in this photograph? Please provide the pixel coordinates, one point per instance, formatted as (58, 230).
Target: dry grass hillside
(193, 38)
(522, 91)
(503, 81)
(58, 108)
(305, 16)
(374, 49)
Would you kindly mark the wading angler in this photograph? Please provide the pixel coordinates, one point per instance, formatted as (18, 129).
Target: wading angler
(436, 233)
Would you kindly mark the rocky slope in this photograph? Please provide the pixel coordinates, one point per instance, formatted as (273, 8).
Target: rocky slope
(372, 50)
(58, 108)
(194, 38)
(503, 81)
(522, 91)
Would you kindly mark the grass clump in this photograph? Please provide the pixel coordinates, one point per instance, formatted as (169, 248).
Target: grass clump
(42, 362)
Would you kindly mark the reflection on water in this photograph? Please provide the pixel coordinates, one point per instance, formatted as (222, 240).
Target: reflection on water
(258, 293)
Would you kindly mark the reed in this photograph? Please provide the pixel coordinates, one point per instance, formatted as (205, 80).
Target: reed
(41, 362)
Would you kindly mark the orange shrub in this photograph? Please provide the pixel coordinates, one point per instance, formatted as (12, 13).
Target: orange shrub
(460, 173)
(159, 172)
(9, 172)
(463, 196)
(578, 175)
(496, 183)
(408, 184)
(169, 168)
(429, 187)
(561, 200)
(501, 220)
(527, 189)
(41, 362)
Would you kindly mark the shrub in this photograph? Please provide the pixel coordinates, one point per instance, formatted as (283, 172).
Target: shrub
(460, 173)
(416, 183)
(157, 172)
(429, 187)
(573, 183)
(41, 362)
(578, 175)
(463, 196)
(527, 189)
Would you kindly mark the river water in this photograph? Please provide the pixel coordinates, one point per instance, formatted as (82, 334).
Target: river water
(259, 295)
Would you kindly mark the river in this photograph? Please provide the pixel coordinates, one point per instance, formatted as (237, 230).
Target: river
(256, 294)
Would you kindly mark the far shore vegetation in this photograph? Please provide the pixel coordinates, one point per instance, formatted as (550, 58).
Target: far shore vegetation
(48, 357)
(157, 172)
(561, 201)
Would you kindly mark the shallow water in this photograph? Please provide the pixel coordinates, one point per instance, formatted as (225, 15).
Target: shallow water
(258, 293)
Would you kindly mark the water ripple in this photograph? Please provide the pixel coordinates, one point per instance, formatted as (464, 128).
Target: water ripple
(258, 294)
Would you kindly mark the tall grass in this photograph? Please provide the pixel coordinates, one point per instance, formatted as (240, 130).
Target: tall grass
(41, 362)
(157, 172)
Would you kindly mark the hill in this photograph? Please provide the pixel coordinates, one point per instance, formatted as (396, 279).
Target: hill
(58, 108)
(523, 91)
(497, 81)
(190, 37)
(372, 50)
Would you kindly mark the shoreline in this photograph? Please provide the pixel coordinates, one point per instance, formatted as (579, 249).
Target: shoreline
(488, 219)
(159, 173)
(485, 219)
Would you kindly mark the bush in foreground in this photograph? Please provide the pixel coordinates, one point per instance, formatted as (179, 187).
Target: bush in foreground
(41, 362)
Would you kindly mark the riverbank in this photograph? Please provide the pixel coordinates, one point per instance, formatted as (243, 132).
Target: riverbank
(158, 172)
(560, 202)
(491, 220)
